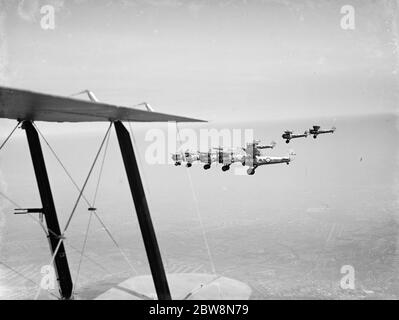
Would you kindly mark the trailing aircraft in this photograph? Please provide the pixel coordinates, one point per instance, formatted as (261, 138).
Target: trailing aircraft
(288, 135)
(315, 131)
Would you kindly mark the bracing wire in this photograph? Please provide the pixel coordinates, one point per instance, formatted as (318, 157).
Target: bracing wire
(116, 244)
(90, 216)
(9, 136)
(24, 277)
(100, 220)
(46, 231)
(87, 180)
(88, 202)
(101, 172)
(199, 216)
(81, 256)
(62, 237)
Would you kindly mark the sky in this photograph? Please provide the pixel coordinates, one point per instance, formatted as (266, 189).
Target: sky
(222, 60)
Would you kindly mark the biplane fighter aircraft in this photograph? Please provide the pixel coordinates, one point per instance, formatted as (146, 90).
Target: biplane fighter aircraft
(218, 155)
(208, 158)
(228, 157)
(178, 158)
(186, 156)
(315, 131)
(254, 157)
(253, 148)
(288, 135)
(250, 156)
(257, 161)
(190, 157)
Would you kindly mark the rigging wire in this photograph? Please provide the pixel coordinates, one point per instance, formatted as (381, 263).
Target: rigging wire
(9, 136)
(101, 171)
(44, 229)
(95, 196)
(25, 277)
(100, 220)
(62, 236)
(81, 256)
(199, 216)
(47, 231)
(87, 180)
(91, 215)
(88, 202)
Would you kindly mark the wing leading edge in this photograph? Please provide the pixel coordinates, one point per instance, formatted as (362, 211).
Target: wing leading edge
(27, 105)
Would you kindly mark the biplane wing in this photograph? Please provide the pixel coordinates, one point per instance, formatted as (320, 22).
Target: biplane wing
(27, 105)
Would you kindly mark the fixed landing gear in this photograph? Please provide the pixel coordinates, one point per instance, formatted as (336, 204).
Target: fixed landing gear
(188, 165)
(225, 168)
(315, 136)
(251, 171)
(287, 141)
(207, 166)
(177, 164)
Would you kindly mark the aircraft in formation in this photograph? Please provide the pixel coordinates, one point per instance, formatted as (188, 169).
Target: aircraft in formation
(315, 131)
(251, 155)
(289, 134)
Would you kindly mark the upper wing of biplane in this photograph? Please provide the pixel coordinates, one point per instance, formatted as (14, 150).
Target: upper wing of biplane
(26, 105)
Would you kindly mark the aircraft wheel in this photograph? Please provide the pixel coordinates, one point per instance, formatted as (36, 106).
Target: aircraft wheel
(188, 165)
(225, 168)
(287, 141)
(177, 164)
(251, 171)
(314, 137)
(243, 164)
(207, 166)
